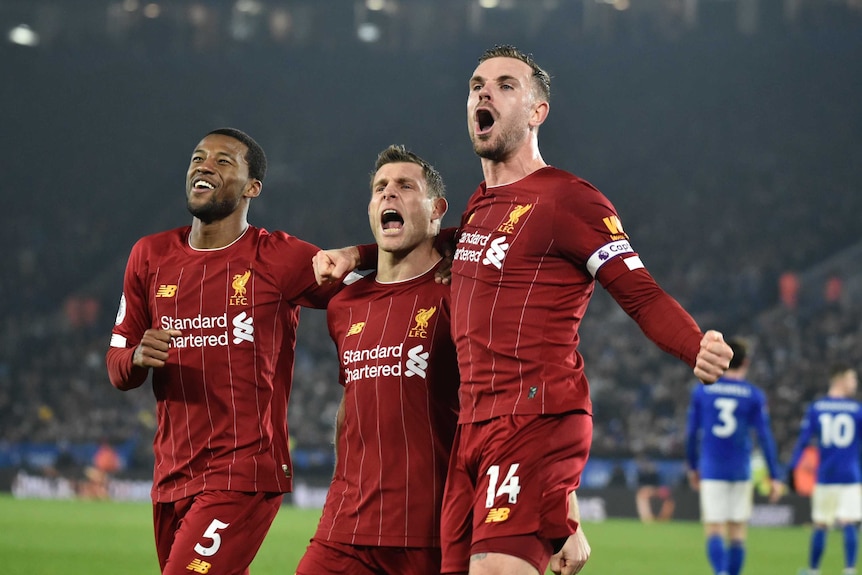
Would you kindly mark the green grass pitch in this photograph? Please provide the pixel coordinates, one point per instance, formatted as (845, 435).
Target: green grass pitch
(40, 537)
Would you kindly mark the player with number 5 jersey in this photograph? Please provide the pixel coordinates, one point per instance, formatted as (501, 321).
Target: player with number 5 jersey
(209, 315)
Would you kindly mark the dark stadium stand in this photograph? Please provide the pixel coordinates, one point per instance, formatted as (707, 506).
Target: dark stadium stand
(733, 155)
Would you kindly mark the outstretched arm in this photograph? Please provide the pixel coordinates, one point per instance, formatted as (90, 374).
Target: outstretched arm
(666, 323)
(333, 265)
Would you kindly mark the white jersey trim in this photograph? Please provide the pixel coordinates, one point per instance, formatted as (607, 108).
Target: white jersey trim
(634, 263)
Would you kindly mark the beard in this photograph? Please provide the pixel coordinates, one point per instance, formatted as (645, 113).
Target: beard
(499, 148)
(213, 210)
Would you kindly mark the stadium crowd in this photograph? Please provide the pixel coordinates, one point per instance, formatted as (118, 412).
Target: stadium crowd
(725, 180)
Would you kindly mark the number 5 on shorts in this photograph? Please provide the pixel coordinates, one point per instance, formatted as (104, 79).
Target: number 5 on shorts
(211, 533)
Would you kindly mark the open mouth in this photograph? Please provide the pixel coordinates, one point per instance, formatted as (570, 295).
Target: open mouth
(484, 121)
(201, 184)
(391, 221)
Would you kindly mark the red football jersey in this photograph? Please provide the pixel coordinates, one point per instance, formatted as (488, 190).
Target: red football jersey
(524, 270)
(222, 397)
(400, 380)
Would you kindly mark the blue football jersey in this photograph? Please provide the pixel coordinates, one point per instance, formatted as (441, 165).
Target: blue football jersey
(834, 424)
(721, 419)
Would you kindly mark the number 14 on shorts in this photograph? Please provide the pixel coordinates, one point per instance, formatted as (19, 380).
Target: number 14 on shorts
(510, 485)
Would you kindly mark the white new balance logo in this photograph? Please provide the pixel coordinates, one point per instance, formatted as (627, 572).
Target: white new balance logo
(417, 362)
(496, 252)
(243, 330)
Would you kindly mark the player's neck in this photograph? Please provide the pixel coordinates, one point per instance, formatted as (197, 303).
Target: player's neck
(217, 234)
(735, 374)
(516, 167)
(394, 267)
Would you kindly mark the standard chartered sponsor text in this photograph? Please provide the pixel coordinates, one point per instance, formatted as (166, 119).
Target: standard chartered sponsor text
(474, 238)
(214, 340)
(380, 352)
(373, 371)
(196, 323)
(465, 251)
(382, 369)
(465, 255)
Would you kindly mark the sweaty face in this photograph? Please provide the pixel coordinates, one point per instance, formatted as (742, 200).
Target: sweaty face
(217, 178)
(400, 211)
(499, 106)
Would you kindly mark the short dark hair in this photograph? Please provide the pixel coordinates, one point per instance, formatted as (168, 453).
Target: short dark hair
(740, 352)
(254, 157)
(541, 79)
(398, 153)
(839, 369)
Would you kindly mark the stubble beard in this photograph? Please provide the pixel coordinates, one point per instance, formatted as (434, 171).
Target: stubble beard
(496, 149)
(213, 210)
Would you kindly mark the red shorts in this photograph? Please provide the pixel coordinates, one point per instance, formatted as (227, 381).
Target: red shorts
(323, 557)
(508, 486)
(213, 531)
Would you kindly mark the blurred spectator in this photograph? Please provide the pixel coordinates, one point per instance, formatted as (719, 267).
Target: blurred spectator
(653, 498)
(106, 463)
(805, 475)
(788, 287)
(833, 290)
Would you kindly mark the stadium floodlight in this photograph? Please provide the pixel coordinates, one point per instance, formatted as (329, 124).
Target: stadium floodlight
(152, 10)
(252, 7)
(23, 35)
(368, 32)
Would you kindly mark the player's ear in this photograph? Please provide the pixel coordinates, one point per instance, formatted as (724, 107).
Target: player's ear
(440, 207)
(540, 113)
(253, 188)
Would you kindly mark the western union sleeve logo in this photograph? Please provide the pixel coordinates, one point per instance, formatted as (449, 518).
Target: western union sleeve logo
(615, 226)
(421, 327)
(356, 328)
(239, 289)
(514, 218)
